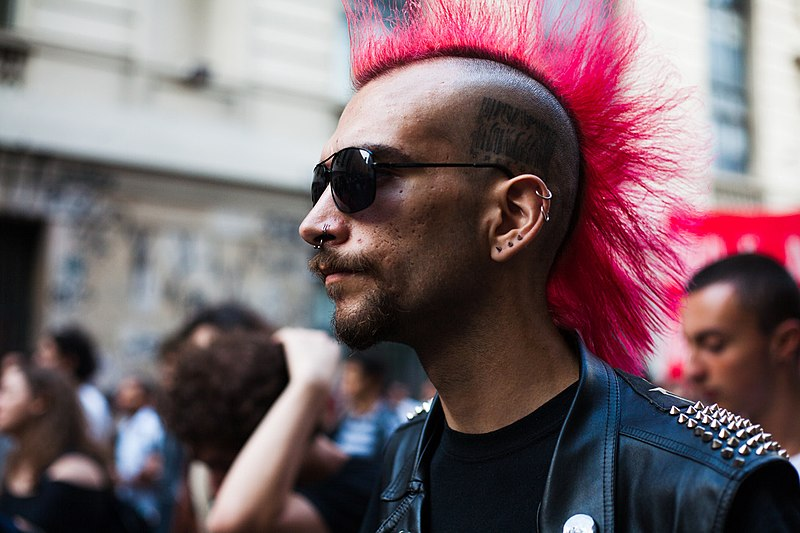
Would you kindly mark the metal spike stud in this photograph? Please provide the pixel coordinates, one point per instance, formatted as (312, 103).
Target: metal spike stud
(727, 452)
(674, 411)
(716, 444)
(744, 449)
(738, 461)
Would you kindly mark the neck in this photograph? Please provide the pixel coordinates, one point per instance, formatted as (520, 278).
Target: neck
(781, 418)
(495, 370)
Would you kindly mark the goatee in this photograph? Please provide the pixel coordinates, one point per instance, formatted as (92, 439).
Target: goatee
(367, 325)
(374, 316)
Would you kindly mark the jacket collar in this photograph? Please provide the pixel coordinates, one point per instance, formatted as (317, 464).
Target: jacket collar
(587, 440)
(581, 477)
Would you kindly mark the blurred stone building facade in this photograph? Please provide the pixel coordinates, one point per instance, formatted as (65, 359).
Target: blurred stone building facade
(155, 155)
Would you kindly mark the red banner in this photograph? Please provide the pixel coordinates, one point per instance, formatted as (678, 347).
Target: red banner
(724, 234)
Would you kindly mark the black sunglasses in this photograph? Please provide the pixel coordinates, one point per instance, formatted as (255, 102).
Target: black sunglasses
(352, 177)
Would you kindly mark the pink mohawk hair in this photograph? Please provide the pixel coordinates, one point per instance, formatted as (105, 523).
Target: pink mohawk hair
(614, 279)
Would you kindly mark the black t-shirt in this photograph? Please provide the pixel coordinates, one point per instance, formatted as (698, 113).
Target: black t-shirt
(495, 481)
(342, 499)
(59, 507)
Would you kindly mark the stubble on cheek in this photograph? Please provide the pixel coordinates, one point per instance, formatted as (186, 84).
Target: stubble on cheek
(369, 315)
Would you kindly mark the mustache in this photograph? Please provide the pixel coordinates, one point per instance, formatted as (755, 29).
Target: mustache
(327, 261)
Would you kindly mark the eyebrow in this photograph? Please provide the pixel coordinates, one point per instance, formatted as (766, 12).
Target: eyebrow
(388, 154)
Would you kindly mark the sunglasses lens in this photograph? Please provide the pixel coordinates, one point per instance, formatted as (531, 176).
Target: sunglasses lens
(352, 180)
(319, 183)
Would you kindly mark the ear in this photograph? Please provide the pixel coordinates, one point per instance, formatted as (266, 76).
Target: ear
(524, 208)
(785, 341)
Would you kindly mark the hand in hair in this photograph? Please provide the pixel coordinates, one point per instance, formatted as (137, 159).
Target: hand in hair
(257, 493)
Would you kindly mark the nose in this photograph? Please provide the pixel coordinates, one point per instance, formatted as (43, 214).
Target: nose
(324, 223)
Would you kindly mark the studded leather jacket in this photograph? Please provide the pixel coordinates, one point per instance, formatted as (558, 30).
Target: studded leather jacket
(630, 457)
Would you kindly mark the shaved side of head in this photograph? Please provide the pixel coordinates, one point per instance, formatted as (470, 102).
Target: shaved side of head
(489, 112)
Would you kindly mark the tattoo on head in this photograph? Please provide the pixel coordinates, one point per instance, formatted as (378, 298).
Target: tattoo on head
(506, 131)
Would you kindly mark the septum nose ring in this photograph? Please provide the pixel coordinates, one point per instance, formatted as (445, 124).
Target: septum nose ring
(322, 238)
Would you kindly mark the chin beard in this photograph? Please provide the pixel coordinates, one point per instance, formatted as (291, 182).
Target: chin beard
(369, 324)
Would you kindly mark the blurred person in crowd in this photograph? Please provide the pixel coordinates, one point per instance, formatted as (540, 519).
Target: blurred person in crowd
(497, 195)
(741, 318)
(368, 418)
(398, 396)
(72, 350)
(427, 391)
(253, 415)
(229, 316)
(138, 454)
(6, 443)
(194, 493)
(56, 478)
(174, 456)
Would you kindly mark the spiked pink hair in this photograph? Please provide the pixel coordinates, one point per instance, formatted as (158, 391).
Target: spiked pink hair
(613, 280)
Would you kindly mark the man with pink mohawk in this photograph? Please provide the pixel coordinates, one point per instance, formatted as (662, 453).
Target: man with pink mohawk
(497, 195)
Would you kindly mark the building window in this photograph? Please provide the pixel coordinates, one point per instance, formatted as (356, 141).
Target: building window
(729, 98)
(6, 13)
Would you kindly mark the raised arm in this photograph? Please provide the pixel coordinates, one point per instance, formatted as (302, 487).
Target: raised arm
(257, 492)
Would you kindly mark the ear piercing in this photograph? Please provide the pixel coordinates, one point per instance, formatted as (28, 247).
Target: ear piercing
(547, 196)
(510, 243)
(545, 213)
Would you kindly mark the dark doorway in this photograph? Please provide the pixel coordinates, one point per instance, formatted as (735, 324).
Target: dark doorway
(20, 241)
